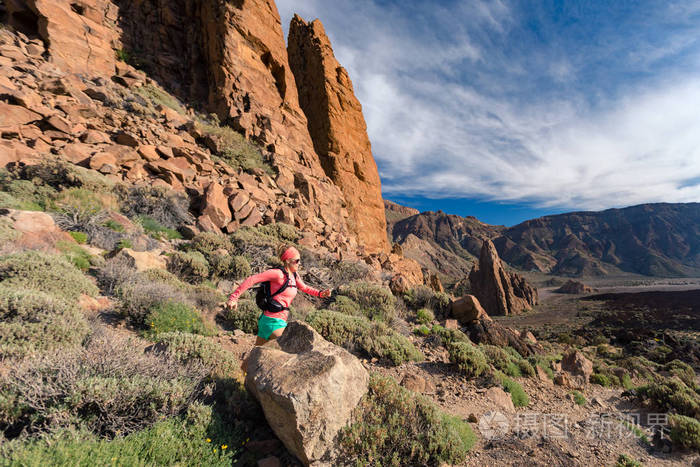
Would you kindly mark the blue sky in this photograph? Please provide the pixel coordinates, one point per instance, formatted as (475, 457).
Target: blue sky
(508, 110)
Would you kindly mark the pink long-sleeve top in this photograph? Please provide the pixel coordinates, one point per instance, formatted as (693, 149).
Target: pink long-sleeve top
(276, 278)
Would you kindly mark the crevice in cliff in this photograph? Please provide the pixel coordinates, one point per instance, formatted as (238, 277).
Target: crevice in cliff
(24, 20)
(277, 71)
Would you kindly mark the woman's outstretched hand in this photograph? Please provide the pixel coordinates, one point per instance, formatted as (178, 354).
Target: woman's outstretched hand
(231, 304)
(325, 293)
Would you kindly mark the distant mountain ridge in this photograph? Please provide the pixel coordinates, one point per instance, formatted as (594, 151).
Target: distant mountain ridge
(661, 239)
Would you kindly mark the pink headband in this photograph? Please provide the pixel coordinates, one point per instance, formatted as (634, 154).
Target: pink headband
(289, 253)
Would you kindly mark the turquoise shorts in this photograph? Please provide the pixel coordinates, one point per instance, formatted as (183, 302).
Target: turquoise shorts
(267, 324)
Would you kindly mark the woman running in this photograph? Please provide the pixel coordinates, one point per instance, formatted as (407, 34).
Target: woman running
(271, 324)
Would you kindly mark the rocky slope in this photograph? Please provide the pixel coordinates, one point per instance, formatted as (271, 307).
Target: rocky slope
(101, 99)
(651, 239)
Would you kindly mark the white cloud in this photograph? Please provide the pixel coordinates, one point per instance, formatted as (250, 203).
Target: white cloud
(450, 115)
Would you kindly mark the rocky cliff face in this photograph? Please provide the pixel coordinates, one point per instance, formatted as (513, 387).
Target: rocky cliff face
(499, 291)
(338, 130)
(223, 57)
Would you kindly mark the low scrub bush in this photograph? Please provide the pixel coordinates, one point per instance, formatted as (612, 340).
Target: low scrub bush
(683, 371)
(173, 316)
(600, 379)
(109, 387)
(641, 367)
(208, 242)
(174, 441)
(49, 273)
(190, 266)
(449, 336)
(188, 348)
(425, 297)
(376, 302)
(357, 333)
(469, 359)
(422, 330)
(425, 316)
(624, 460)
(32, 321)
(168, 208)
(157, 230)
(245, 317)
(392, 426)
(507, 360)
(671, 394)
(79, 237)
(75, 254)
(345, 305)
(344, 272)
(137, 299)
(685, 431)
(579, 398)
(204, 297)
(229, 267)
(517, 393)
(234, 149)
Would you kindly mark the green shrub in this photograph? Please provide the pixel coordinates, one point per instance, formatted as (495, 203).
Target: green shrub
(685, 431)
(469, 359)
(204, 297)
(517, 393)
(626, 461)
(109, 387)
(168, 208)
(245, 317)
(208, 242)
(190, 266)
(343, 272)
(165, 277)
(125, 243)
(32, 321)
(671, 394)
(449, 336)
(347, 305)
(422, 330)
(173, 316)
(156, 230)
(642, 367)
(597, 378)
(507, 360)
(376, 302)
(425, 316)
(233, 148)
(188, 348)
(425, 297)
(579, 398)
(48, 273)
(280, 231)
(392, 426)
(75, 254)
(356, 333)
(169, 442)
(79, 237)
(683, 371)
(114, 225)
(229, 267)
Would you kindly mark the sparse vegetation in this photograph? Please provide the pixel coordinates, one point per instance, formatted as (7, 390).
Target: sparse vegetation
(626, 461)
(425, 297)
(469, 359)
(172, 316)
(579, 398)
(425, 316)
(392, 426)
(32, 321)
(376, 302)
(685, 431)
(233, 149)
(191, 266)
(245, 317)
(187, 348)
(155, 229)
(51, 274)
(671, 394)
(357, 333)
(517, 393)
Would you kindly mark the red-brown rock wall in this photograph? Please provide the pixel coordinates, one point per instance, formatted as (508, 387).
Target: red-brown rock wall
(338, 130)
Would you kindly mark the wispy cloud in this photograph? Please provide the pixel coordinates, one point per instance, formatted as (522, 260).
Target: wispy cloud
(493, 101)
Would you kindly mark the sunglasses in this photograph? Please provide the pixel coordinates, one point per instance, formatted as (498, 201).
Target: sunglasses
(296, 261)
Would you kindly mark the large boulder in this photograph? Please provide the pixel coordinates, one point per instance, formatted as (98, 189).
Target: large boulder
(574, 287)
(500, 292)
(578, 366)
(308, 389)
(486, 331)
(467, 309)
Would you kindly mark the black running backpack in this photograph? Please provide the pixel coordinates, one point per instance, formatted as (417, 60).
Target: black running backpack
(264, 298)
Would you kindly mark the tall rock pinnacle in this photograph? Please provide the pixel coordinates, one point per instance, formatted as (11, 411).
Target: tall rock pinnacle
(338, 130)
